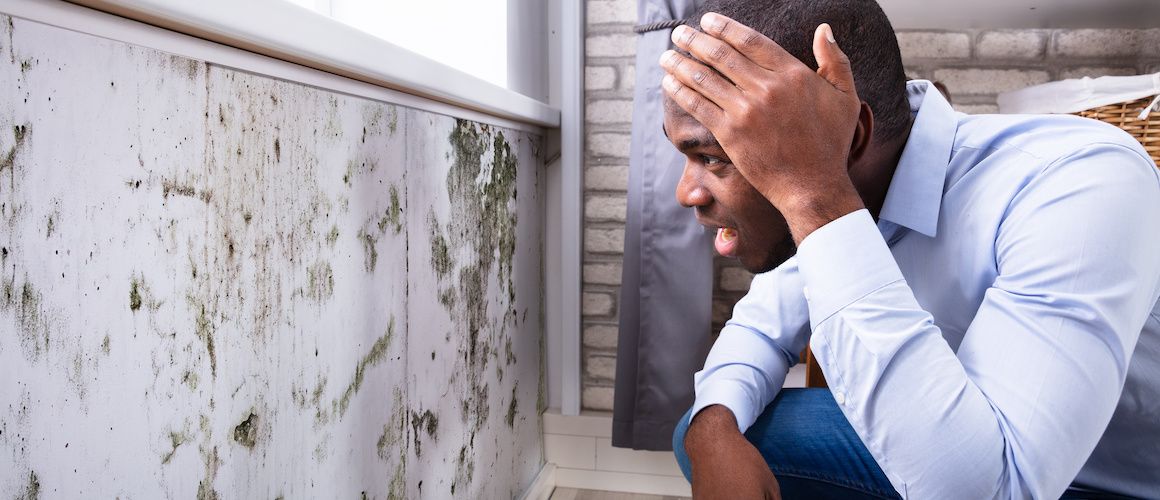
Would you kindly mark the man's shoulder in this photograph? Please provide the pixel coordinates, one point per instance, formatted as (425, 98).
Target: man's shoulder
(1043, 137)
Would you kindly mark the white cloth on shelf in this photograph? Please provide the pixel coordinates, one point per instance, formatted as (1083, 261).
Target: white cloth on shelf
(1071, 96)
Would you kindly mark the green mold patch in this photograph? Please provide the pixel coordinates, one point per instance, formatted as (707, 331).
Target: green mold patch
(176, 439)
(31, 319)
(205, 330)
(393, 217)
(376, 354)
(394, 431)
(246, 432)
(172, 188)
(134, 294)
(320, 281)
(370, 249)
(332, 236)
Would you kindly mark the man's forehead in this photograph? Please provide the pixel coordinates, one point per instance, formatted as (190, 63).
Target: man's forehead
(678, 122)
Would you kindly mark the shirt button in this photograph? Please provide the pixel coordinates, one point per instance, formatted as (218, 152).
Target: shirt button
(840, 397)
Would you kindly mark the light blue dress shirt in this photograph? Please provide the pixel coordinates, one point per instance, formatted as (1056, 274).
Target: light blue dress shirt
(996, 333)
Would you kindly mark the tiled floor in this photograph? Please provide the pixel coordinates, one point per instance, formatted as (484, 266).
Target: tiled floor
(575, 494)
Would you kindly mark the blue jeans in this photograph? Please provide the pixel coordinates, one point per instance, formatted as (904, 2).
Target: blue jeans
(810, 447)
(814, 453)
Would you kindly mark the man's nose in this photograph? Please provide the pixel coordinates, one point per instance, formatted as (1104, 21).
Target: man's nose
(690, 192)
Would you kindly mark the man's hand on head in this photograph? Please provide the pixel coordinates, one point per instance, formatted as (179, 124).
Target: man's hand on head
(725, 464)
(786, 128)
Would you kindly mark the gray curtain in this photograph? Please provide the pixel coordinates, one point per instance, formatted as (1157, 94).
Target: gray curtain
(667, 286)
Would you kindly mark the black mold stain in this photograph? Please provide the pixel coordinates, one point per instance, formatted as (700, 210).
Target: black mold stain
(332, 236)
(19, 134)
(246, 433)
(205, 490)
(375, 355)
(277, 148)
(134, 294)
(205, 331)
(510, 418)
(32, 491)
(423, 422)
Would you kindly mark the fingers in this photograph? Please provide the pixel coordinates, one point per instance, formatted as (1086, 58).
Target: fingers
(833, 65)
(696, 105)
(747, 41)
(700, 78)
(715, 53)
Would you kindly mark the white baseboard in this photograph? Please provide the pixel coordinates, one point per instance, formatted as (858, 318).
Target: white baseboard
(580, 448)
(542, 486)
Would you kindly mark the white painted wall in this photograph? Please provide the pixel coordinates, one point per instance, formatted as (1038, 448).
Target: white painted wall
(225, 285)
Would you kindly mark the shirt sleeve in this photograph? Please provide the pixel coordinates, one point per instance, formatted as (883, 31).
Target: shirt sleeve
(748, 363)
(1018, 409)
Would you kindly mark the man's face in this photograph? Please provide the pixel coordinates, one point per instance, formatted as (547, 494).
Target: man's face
(748, 227)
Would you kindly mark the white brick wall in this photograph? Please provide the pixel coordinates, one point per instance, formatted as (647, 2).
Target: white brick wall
(989, 81)
(1107, 43)
(974, 64)
(606, 178)
(1019, 44)
(611, 11)
(609, 145)
(599, 77)
(608, 111)
(603, 273)
(933, 44)
(615, 45)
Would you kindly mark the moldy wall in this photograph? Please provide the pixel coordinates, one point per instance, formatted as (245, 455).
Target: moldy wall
(218, 284)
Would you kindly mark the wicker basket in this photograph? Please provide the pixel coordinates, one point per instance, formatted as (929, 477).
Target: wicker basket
(1126, 116)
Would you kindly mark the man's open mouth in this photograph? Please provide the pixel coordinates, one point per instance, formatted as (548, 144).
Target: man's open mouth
(726, 241)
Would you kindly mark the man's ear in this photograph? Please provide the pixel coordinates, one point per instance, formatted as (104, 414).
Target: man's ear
(863, 135)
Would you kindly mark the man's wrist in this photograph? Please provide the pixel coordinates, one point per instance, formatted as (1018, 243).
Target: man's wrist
(710, 425)
(806, 210)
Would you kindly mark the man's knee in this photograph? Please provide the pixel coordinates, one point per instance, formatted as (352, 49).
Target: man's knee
(679, 445)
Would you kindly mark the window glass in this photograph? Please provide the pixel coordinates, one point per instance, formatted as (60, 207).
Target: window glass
(468, 35)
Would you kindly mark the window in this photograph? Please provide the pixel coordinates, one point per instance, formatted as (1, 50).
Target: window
(469, 35)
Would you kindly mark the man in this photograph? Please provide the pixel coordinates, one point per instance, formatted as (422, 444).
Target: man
(980, 291)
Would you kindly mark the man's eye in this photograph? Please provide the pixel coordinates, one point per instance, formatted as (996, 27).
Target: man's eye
(712, 160)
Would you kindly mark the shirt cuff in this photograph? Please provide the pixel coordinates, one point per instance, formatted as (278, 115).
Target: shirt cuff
(727, 393)
(842, 262)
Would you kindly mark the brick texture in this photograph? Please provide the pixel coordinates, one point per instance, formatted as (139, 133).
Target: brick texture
(975, 65)
(1022, 44)
(933, 44)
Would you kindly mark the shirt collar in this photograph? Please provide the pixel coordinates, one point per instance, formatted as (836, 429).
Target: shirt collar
(915, 194)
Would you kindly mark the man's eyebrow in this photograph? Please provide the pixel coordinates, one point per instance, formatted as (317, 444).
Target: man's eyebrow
(698, 142)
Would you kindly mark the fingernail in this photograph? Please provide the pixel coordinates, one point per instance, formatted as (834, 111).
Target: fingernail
(668, 82)
(665, 56)
(710, 20)
(678, 33)
(830, 34)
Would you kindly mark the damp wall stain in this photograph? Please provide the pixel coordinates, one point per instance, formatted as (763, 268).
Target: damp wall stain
(243, 286)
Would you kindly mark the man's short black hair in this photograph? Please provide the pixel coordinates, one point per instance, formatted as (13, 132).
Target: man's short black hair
(863, 32)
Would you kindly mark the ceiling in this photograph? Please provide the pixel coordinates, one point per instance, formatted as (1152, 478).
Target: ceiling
(959, 14)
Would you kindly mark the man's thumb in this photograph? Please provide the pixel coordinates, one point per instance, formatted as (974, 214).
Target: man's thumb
(833, 65)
